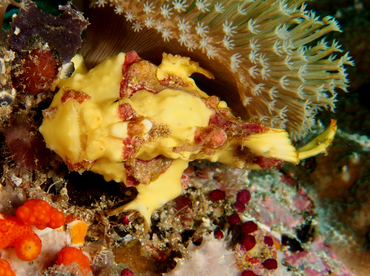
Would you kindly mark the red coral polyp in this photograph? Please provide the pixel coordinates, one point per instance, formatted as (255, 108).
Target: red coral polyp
(218, 234)
(217, 194)
(249, 227)
(268, 241)
(243, 196)
(127, 272)
(248, 242)
(270, 264)
(239, 207)
(233, 219)
(248, 273)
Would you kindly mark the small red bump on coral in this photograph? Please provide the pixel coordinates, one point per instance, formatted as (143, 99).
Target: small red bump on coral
(239, 207)
(218, 234)
(125, 221)
(249, 227)
(70, 218)
(248, 242)
(127, 272)
(217, 195)
(37, 71)
(270, 264)
(233, 219)
(182, 202)
(71, 255)
(248, 273)
(268, 241)
(243, 196)
(5, 269)
(28, 247)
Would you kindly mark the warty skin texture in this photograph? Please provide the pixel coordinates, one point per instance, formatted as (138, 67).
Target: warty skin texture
(140, 124)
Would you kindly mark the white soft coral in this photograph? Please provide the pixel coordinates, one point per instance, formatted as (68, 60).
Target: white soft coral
(210, 258)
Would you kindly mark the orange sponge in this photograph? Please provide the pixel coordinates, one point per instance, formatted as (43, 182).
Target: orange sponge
(14, 233)
(72, 255)
(28, 247)
(39, 213)
(57, 218)
(5, 269)
(78, 230)
(12, 229)
(17, 231)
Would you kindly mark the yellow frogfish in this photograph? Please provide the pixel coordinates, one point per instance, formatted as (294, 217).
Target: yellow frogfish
(141, 124)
